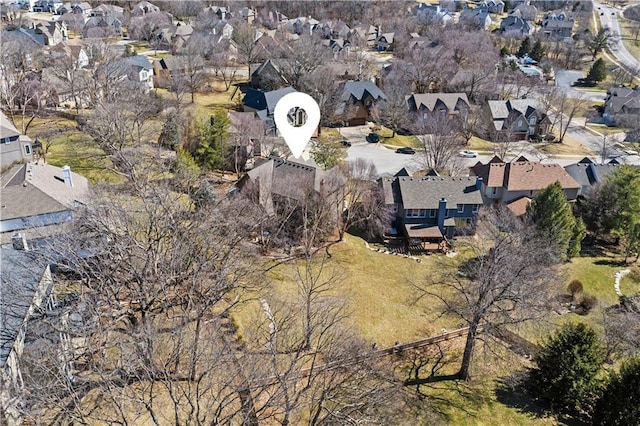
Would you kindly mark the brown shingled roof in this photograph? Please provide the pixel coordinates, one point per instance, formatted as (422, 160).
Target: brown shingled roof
(528, 176)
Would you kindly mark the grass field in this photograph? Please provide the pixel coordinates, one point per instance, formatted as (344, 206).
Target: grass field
(72, 147)
(398, 140)
(626, 34)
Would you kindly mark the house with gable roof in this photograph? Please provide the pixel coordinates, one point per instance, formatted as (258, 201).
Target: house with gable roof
(14, 146)
(431, 210)
(263, 104)
(589, 174)
(492, 6)
(515, 26)
(621, 101)
(506, 182)
(477, 18)
(516, 119)
(357, 99)
(439, 104)
(558, 25)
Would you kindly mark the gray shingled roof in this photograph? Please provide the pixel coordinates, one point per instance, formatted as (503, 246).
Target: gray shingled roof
(426, 192)
(7, 129)
(429, 100)
(360, 89)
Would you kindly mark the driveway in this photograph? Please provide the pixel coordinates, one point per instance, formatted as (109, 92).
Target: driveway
(564, 79)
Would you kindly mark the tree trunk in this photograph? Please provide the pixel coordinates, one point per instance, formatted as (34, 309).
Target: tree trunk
(468, 351)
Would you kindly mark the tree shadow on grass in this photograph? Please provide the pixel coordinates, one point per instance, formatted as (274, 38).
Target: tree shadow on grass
(611, 262)
(515, 391)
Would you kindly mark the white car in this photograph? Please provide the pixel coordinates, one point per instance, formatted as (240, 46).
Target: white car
(468, 154)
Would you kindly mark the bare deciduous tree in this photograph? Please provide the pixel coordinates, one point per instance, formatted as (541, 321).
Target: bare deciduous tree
(508, 279)
(441, 139)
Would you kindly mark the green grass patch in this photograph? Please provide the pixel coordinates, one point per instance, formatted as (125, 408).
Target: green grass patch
(398, 140)
(74, 148)
(606, 130)
(479, 144)
(329, 134)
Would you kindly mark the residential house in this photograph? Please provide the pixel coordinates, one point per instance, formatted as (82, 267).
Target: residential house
(263, 103)
(37, 194)
(302, 25)
(14, 146)
(59, 90)
(47, 34)
(335, 29)
(385, 42)
(506, 182)
(621, 102)
(558, 25)
(365, 34)
(82, 8)
(514, 26)
(220, 11)
(337, 45)
(516, 119)
(439, 104)
(140, 70)
(75, 52)
(357, 100)
(525, 11)
(223, 29)
(246, 14)
(418, 41)
(276, 179)
(47, 6)
(25, 285)
(589, 174)
(75, 21)
(102, 27)
(433, 13)
(492, 6)
(432, 209)
(476, 18)
(269, 74)
(143, 8)
(107, 10)
(246, 133)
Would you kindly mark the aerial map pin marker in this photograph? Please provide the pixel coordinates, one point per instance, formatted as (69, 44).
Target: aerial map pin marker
(296, 136)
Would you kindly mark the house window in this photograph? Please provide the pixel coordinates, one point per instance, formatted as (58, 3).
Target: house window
(432, 213)
(495, 190)
(520, 123)
(460, 208)
(475, 209)
(6, 141)
(532, 121)
(27, 149)
(416, 213)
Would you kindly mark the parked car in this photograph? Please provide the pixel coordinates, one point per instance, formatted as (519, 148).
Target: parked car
(468, 154)
(405, 150)
(373, 138)
(346, 143)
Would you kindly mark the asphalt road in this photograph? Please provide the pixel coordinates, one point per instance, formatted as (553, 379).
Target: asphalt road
(609, 18)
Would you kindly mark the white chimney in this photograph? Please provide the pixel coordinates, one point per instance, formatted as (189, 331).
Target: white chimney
(66, 173)
(19, 242)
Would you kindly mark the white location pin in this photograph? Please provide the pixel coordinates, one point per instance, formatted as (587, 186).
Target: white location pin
(296, 136)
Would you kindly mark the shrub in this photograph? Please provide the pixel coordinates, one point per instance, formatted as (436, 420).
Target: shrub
(574, 287)
(588, 302)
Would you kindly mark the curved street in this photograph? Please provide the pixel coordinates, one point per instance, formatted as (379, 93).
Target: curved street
(609, 19)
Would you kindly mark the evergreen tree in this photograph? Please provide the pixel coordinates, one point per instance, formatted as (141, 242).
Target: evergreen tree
(211, 151)
(537, 52)
(551, 213)
(568, 365)
(170, 135)
(625, 184)
(598, 71)
(525, 47)
(620, 401)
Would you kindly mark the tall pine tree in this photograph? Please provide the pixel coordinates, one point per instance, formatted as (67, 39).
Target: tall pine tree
(525, 47)
(598, 71)
(551, 213)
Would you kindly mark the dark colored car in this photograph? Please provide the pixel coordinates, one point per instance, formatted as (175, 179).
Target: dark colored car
(405, 150)
(346, 143)
(373, 138)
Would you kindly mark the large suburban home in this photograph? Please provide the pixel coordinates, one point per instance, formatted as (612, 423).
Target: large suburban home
(506, 182)
(558, 25)
(516, 119)
(439, 104)
(25, 285)
(477, 18)
(357, 100)
(589, 174)
(275, 180)
(143, 8)
(621, 102)
(264, 103)
(514, 26)
(434, 14)
(47, 34)
(493, 6)
(431, 210)
(140, 70)
(36, 194)
(14, 146)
